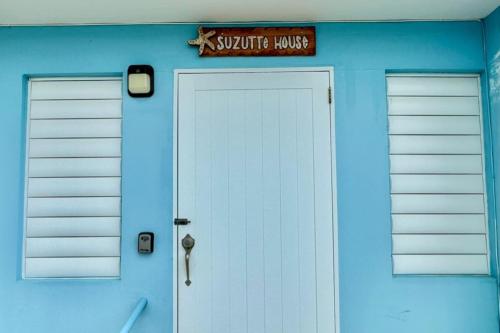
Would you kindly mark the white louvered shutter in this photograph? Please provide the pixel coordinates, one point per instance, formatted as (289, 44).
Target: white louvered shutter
(439, 223)
(73, 178)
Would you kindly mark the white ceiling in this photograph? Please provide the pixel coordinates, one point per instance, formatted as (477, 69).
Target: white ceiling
(35, 12)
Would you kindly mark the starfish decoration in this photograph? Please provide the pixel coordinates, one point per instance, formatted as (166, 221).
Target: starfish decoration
(202, 40)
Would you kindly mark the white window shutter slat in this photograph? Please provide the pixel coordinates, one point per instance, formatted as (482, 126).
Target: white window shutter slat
(70, 109)
(74, 187)
(77, 206)
(436, 164)
(75, 89)
(440, 264)
(73, 226)
(438, 224)
(435, 144)
(75, 128)
(466, 125)
(45, 247)
(433, 106)
(76, 267)
(439, 244)
(75, 148)
(73, 184)
(436, 184)
(438, 203)
(75, 167)
(448, 86)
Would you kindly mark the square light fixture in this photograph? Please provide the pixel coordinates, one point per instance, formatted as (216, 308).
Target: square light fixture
(140, 81)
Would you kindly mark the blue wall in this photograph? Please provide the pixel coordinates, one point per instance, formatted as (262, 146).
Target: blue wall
(371, 299)
(492, 43)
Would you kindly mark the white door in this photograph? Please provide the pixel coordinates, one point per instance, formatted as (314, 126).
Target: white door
(254, 177)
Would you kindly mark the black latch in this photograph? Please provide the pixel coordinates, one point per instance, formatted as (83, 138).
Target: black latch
(179, 221)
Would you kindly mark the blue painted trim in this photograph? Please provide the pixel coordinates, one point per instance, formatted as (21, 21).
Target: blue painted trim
(139, 308)
(22, 161)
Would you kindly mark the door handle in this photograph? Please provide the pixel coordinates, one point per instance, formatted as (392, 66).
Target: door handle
(188, 244)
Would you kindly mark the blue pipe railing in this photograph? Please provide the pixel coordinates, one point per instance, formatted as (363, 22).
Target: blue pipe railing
(141, 305)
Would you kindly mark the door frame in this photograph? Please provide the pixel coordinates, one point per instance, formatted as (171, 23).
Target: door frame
(177, 73)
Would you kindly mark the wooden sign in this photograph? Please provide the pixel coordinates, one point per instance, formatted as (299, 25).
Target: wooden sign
(237, 42)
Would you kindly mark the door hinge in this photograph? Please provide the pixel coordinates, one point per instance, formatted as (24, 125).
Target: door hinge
(329, 95)
(181, 221)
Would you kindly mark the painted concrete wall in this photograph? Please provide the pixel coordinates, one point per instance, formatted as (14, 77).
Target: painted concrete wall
(492, 48)
(371, 299)
(492, 36)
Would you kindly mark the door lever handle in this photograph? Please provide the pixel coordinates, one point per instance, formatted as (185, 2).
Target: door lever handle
(188, 244)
